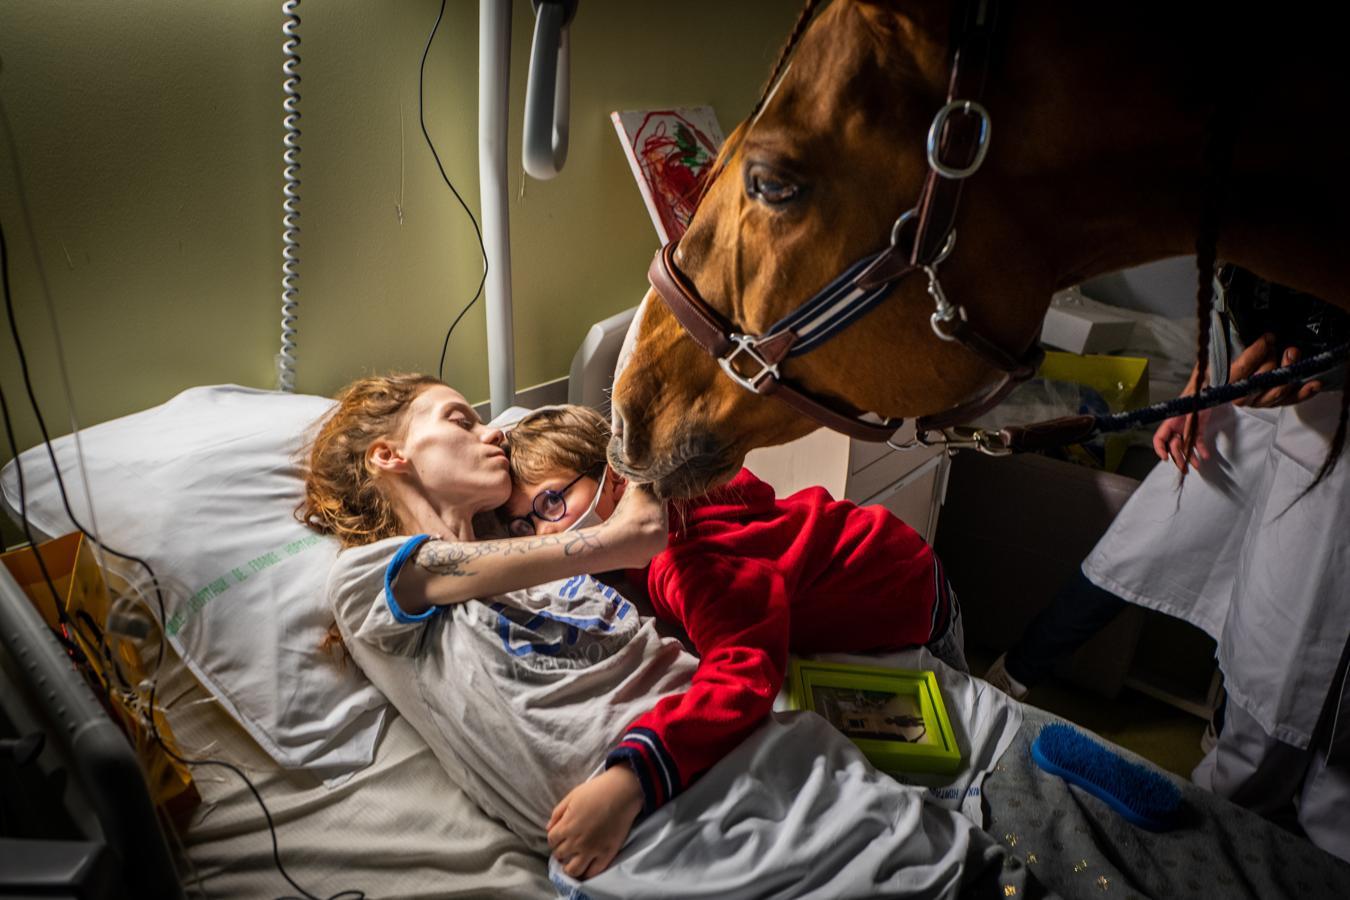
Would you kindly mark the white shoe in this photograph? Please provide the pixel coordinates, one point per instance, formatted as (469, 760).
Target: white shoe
(998, 676)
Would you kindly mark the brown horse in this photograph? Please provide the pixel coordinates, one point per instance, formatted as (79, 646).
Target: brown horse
(1094, 164)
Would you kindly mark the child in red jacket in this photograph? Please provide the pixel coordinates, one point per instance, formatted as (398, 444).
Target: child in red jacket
(750, 577)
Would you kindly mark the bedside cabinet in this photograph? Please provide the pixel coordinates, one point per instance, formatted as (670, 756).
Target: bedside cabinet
(910, 483)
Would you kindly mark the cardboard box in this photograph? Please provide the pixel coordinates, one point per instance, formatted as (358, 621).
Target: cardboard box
(77, 581)
(1072, 325)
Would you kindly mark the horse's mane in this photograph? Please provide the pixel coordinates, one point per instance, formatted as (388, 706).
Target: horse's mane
(733, 141)
(1216, 162)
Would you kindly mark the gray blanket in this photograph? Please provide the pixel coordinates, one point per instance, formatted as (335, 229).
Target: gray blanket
(1078, 847)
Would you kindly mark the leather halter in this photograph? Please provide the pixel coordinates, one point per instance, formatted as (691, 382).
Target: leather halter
(958, 139)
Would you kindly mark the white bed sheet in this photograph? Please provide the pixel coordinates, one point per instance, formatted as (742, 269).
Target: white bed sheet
(796, 812)
(403, 828)
(398, 828)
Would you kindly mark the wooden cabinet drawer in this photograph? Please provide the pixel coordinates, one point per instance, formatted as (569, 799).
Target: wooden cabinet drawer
(915, 500)
(862, 454)
(908, 482)
(869, 481)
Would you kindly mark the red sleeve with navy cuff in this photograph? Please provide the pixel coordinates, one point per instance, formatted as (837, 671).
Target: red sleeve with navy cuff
(738, 624)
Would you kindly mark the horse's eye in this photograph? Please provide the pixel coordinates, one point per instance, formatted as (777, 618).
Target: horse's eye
(763, 183)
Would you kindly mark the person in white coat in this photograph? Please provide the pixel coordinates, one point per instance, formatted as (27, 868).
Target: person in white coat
(1240, 553)
(1238, 549)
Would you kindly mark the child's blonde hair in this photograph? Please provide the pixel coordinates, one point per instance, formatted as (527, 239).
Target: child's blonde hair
(561, 438)
(342, 494)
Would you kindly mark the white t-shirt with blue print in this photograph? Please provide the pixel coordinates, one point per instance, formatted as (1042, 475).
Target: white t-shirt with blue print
(521, 695)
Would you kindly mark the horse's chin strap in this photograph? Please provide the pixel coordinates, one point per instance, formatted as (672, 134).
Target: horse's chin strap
(958, 139)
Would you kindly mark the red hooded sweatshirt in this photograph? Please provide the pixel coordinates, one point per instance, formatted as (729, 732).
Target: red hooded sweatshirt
(751, 577)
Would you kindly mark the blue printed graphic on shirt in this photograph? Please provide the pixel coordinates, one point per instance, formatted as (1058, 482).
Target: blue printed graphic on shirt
(579, 611)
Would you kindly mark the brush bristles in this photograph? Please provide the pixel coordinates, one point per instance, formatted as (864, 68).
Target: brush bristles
(1145, 792)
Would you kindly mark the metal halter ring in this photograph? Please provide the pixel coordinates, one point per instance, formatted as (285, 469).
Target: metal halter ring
(947, 245)
(748, 344)
(966, 107)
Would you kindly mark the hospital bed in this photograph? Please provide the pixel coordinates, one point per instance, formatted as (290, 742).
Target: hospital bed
(402, 827)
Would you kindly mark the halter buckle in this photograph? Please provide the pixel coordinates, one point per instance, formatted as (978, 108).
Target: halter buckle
(964, 107)
(748, 344)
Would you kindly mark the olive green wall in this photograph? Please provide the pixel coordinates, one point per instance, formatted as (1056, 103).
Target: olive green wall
(149, 138)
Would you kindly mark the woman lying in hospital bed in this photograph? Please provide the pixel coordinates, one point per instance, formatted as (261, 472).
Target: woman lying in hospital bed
(524, 673)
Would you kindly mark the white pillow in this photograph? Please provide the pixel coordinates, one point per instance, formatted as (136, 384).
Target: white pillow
(204, 488)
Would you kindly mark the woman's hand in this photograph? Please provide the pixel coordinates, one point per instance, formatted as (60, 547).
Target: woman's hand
(590, 824)
(1260, 358)
(639, 525)
(1169, 441)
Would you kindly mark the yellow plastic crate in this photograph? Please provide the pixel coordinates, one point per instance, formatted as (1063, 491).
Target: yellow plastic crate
(1122, 382)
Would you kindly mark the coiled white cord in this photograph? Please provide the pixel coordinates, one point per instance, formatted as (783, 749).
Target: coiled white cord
(290, 219)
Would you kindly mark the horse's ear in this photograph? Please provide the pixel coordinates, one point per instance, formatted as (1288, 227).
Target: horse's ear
(908, 23)
(917, 30)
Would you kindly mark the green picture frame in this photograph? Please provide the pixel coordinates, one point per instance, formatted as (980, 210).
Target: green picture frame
(895, 716)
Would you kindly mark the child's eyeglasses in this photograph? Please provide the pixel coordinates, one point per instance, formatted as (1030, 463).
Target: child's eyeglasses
(548, 505)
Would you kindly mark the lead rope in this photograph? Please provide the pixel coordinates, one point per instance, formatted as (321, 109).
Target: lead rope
(1076, 429)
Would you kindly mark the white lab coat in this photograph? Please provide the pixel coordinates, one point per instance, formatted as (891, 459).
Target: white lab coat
(1232, 553)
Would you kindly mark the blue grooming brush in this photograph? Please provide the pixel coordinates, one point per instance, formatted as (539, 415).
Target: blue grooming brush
(1141, 795)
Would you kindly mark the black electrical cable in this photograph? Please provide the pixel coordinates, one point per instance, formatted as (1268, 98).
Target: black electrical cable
(159, 596)
(478, 233)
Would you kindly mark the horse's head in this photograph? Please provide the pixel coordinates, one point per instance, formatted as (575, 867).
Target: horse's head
(805, 188)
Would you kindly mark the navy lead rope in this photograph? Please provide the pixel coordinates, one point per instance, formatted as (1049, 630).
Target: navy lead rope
(1214, 396)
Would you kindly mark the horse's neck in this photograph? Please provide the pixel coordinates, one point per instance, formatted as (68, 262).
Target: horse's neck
(1103, 123)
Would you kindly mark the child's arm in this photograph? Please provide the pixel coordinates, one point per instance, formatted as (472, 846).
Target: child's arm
(446, 572)
(591, 823)
(735, 611)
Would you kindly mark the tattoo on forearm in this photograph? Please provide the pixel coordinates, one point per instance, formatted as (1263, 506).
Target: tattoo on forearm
(581, 542)
(446, 558)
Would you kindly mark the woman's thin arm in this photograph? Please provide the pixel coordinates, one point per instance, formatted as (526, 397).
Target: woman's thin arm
(446, 572)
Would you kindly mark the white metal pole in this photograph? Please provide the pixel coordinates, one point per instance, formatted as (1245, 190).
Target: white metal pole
(494, 76)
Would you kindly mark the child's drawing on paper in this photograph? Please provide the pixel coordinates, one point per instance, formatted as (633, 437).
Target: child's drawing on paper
(669, 151)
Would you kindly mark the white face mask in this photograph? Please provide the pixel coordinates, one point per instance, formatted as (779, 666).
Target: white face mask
(590, 516)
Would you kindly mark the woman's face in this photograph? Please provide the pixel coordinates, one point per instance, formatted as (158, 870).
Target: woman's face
(457, 461)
